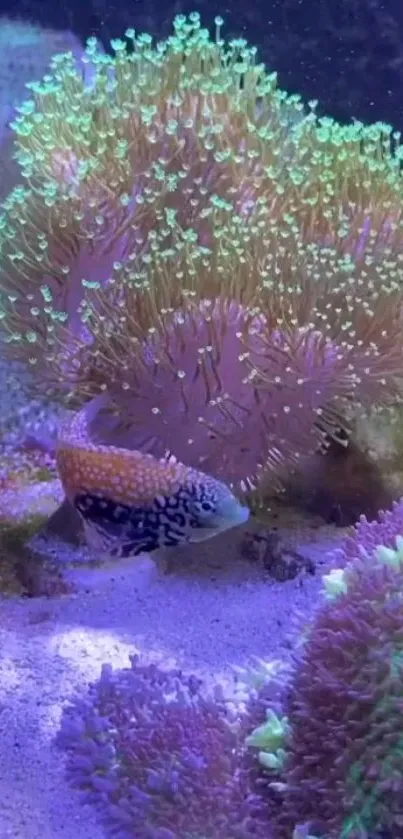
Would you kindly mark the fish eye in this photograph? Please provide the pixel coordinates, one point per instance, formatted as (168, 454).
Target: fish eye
(206, 506)
(203, 507)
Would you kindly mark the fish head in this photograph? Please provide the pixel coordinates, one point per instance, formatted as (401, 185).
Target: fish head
(212, 508)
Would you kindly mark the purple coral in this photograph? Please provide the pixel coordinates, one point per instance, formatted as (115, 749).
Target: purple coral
(344, 768)
(160, 759)
(225, 392)
(368, 535)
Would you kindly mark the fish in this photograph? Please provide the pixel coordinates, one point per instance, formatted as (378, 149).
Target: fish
(131, 502)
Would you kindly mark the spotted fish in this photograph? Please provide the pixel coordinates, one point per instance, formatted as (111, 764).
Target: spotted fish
(132, 502)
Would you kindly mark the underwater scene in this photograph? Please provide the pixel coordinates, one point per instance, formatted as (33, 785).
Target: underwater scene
(201, 420)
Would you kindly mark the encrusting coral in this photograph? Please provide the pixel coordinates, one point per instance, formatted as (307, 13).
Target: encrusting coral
(224, 266)
(29, 493)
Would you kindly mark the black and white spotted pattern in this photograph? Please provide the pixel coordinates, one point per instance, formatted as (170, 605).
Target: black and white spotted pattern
(169, 521)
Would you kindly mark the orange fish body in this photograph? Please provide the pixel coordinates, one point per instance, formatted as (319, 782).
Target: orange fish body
(132, 502)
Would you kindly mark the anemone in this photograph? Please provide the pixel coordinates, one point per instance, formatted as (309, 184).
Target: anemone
(225, 265)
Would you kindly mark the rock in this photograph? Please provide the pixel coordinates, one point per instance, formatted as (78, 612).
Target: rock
(341, 485)
(280, 560)
(64, 523)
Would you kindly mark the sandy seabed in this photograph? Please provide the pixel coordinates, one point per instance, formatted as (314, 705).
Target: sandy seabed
(213, 610)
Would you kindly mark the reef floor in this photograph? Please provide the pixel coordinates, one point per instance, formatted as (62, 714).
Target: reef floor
(218, 608)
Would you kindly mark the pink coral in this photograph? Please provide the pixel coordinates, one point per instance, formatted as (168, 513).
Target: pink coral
(216, 386)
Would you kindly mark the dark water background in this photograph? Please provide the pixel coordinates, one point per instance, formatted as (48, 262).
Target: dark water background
(348, 54)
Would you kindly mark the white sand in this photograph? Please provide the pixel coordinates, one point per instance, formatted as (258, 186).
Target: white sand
(212, 612)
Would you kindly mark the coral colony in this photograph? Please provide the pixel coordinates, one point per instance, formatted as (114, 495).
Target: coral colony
(342, 768)
(161, 759)
(212, 265)
(222, 268)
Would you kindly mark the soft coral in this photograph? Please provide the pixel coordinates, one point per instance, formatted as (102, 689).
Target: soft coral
(343, 772)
